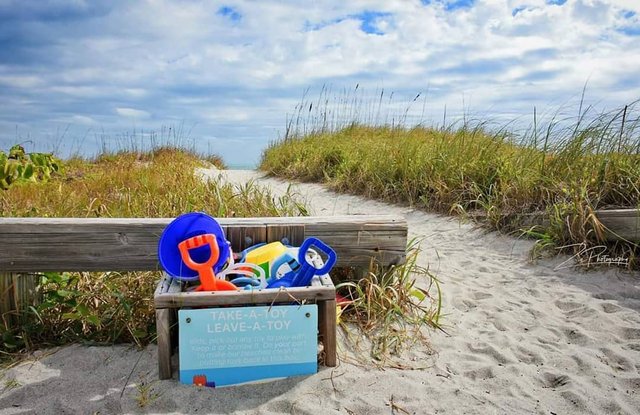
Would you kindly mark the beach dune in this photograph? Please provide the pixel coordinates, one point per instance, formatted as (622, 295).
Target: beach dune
(521, 337)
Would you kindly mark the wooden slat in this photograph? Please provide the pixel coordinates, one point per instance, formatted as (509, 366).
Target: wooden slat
(326, 281)
(163, 328)
(175, 286)
(163, 284)
(220, 298)
(7, 305)
(17, 292)
(288, 234)
(621, 224)
(107, 244)
(327, 328)
(242, 237)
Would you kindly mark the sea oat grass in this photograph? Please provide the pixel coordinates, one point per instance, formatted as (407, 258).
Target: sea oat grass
(114, 307)
(390, 306)
(561, 173)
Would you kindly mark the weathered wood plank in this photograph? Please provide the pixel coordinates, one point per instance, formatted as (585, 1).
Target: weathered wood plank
(220, 298)
(621, 224)
(242, 237)
(17, 292)
(163, 328)
(325, 280)
(7, 306)
(104, 244)
(289, 234)
(327, 328)
(163, 284)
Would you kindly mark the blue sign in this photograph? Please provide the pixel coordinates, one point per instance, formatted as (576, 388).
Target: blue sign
(231, 345)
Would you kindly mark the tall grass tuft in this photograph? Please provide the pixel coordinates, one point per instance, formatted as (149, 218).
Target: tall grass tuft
(391, 306)
(559, 172)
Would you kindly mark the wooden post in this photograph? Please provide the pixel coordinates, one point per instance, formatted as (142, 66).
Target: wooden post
(327, 328)
(6, 299)
(17, 293)
(163, 328)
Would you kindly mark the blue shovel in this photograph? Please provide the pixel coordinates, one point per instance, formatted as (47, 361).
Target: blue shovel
(303, 275)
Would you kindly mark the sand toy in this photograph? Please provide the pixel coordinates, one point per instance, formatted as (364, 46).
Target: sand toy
(184, 256)
(302, 276)
(208, 280)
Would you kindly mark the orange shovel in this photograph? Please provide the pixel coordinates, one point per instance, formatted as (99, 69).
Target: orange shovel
(208, 280)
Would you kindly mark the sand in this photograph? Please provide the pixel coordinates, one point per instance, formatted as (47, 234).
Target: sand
(522, 337)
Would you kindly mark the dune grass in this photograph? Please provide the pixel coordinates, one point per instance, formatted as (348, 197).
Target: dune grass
(390, 307)
(108, 307)
(117, 307)
(558, 173)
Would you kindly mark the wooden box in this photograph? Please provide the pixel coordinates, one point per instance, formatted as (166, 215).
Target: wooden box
(171, 295)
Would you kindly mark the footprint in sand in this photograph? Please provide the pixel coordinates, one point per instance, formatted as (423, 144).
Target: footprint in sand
(481, 373)
(575, 400)
(633, 346)
(528, 356)
(630, 384)
(464, 305)
(498, 324)
(567, 305)
(554, 380)
(585, 366)
(575, 336)
(479, 295)
(610, 308)
(631, 333)
(616, 361)
(490, 351)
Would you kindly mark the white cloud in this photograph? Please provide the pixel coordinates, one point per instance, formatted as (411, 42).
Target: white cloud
(132, 113)
(165, 61)
(20, 81)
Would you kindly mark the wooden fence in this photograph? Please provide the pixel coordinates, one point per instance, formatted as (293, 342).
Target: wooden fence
(29, 245)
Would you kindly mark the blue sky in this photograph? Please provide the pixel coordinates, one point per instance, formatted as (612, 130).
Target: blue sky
(75, 74)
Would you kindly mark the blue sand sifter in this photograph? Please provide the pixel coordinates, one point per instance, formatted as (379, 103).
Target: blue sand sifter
(302, 276)
(182, 228)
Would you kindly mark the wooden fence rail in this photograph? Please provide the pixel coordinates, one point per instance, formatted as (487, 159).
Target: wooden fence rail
(31, 245)
(621, 224)
(107, 244)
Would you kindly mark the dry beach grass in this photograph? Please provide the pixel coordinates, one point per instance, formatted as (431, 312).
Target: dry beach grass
(520, 338)
(115, 307)
(561, 171)
(515, 336)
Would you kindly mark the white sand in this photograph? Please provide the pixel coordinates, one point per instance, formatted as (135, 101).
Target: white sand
(523, 338)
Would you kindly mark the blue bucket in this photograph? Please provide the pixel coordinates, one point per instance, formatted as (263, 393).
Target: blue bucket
(184, 227)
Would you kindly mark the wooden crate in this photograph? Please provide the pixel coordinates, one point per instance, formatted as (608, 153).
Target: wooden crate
(171, 295)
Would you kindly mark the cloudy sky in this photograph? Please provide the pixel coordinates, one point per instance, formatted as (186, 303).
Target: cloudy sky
(76, 74)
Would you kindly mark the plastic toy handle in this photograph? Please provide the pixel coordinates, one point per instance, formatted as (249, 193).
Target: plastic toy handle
(196, 242)
(308, 269)
(205, 269)
(285, 258)
(326, 249)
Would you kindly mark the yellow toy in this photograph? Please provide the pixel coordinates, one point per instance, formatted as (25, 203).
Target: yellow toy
(265, 255)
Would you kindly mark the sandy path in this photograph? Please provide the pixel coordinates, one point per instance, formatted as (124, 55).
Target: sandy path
(523, 338)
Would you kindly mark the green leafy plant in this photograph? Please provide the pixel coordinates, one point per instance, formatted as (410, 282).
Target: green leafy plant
(18, 166)
(146, 394)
